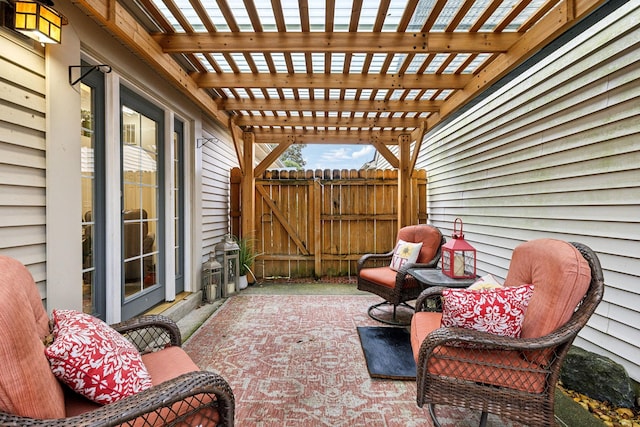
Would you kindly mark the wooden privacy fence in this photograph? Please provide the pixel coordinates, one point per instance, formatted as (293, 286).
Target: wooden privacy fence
(319, 223)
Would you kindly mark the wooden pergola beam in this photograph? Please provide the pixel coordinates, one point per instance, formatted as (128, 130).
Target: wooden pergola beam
(332, 81)
(386, 153)
(562, 17)
(271, 157)
(338, 42)
(236, 136)
(303, 136)
(337, 105)
(117, 20)
(340, 122)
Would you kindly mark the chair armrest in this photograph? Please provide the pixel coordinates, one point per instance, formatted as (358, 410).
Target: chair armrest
(430, 293)
(150, 332)
(156, 406)
(450, 336)
(374, 260)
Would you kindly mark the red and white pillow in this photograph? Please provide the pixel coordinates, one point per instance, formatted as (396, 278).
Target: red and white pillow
(94, 359)
(498, 311)
(403, 253)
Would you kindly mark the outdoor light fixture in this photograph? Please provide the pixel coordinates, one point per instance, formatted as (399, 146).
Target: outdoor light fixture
(458, 256)
(228, 253)
(211, 279)
(38, 21)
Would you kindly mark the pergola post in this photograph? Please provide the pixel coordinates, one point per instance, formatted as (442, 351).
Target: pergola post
(248, 186)
(404, 181)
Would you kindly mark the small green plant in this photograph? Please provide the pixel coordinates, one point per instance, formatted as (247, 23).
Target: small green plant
(246, 255)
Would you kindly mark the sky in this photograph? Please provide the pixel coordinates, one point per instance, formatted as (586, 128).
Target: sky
(330, 156)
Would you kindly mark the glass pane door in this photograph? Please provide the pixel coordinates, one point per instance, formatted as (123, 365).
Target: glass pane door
(92, 179)
(141, 202)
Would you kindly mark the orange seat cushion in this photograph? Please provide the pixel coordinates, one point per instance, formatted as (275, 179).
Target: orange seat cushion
(385, 276)
(163, 365)
(500, 368)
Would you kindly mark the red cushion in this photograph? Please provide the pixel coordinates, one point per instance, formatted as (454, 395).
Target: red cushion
(560, 276)
(383, 275)
(27, 385)
(422, 324)
(167, 364)
(162, 365)
(498, 311)
(504, 368)
(430, 237)
(507, 368)
(95, 360)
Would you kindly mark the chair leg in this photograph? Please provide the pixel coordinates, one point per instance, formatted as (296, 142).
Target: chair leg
(394, 318)
(436, 423)
(432, 413)
(483, 419)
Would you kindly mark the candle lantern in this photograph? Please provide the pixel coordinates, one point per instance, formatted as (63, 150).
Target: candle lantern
(458, 256)
(228, 254)
(211, 279)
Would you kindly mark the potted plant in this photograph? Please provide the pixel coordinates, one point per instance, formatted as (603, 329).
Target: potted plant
(246, 256)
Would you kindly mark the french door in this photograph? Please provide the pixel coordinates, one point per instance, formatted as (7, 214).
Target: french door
(142, 201)
(92, 172)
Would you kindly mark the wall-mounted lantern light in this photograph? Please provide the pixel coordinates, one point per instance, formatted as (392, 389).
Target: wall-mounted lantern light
(38, 21)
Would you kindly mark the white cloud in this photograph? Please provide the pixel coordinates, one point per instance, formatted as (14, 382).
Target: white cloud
(364, 151)
(320, 156)
(337, 154)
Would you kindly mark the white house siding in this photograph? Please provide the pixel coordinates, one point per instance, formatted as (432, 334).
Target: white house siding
(556, 153)
(218, 158)
(22, 153)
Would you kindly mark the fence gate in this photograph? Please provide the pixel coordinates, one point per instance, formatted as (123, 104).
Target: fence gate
(319, 223)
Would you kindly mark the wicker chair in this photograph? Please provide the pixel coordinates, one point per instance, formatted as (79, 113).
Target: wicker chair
(181, 393)
(511, 377)
(396, 287)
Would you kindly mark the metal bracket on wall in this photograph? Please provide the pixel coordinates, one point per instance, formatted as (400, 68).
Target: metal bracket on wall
(203, 141)
(103, 68)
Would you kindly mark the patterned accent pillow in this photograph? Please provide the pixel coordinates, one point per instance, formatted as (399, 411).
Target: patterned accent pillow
(403, 253)
(498, 311)
(94, 359)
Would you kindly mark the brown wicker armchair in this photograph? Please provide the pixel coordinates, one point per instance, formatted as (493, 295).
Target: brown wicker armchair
(396, 287)
(181, 394)
(511, 377)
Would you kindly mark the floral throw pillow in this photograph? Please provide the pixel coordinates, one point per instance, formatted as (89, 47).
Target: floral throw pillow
(94, 359)
(498, 311)
(403, 253)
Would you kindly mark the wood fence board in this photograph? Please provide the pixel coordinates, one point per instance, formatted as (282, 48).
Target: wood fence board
(319, 223)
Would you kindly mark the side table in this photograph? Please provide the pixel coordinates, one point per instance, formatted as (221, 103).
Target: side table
(428, 277)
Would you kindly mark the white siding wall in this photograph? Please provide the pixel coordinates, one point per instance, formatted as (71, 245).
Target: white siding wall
(218, 158)
(556, 153)
(22, 153)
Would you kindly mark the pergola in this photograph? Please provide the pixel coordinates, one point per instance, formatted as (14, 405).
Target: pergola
(286, 72)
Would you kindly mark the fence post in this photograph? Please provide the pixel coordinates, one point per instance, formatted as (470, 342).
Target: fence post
(404, 182)
(248, 186)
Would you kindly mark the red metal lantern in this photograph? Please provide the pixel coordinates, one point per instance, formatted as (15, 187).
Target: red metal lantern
(458, 256)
